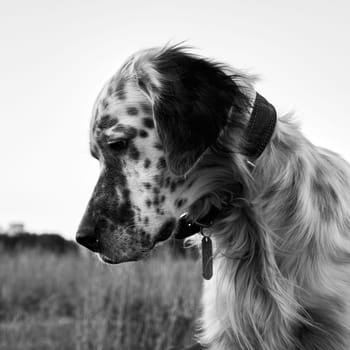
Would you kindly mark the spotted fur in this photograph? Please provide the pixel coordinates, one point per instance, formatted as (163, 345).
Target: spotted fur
(168, 131)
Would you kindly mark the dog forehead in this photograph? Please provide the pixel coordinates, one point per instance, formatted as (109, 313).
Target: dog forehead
(121, 102)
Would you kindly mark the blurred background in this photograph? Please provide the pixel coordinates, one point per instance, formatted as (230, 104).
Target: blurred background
(55, 57)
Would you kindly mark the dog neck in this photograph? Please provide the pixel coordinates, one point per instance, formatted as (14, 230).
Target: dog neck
(258, 134)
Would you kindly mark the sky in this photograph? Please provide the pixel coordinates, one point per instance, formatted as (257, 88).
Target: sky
(56, 56)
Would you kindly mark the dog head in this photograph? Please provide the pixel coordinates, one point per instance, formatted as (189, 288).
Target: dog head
(152, 123)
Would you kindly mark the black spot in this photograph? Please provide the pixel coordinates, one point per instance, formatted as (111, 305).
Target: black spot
(190, 184)
(143, 85)
(161, 163)
(132, 111)
(167, 182)
(106, 122)
(161, 181)
(146, 85)
(158, 146)
(146, 163)
(156, 200)
(143, 133)
(133, 151)
(156, 190)
(118, 146)
(148, 123)
(158, 179)
(146, 220)
(110, 90)
(162, 199)
(160, 211)
(165, 230)
(180, 181)
(120, 90)
(105, 103)
(148, 202)
(129, 131)
(146, 108)
(147, 185)
(172, 186)
(180, 202)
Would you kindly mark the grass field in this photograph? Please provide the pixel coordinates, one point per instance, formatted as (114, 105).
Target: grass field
(74, 302)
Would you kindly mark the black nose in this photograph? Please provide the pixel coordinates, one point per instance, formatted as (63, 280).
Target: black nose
(87, 234)
(88, 238)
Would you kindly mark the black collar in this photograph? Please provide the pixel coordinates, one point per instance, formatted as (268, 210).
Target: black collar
(260, 128)
(258, 134)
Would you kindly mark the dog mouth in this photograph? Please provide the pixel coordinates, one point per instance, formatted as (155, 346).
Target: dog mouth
(142, 249)
(120, 259)
(107, 259)
(165, 231)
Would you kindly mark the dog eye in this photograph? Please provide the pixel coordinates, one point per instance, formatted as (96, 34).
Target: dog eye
(119, 145)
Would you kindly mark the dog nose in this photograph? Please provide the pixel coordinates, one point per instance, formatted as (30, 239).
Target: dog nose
(87, 235)
(88, 238)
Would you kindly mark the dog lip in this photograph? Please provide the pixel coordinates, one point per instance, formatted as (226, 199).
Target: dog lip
(165, 230)
(107, 259)
(116, 261)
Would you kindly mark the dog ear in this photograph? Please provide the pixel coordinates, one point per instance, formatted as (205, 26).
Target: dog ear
(192, 98)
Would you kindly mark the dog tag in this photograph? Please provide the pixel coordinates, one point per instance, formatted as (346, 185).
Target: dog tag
(207, 257)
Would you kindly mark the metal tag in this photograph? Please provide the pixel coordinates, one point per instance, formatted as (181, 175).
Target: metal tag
(207, 257)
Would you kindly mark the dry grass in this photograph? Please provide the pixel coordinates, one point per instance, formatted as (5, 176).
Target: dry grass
(70, 302)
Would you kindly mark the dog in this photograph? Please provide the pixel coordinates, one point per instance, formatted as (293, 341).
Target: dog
(175, 133)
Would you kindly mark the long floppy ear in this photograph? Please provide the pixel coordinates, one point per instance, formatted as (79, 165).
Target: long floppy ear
(192, 98)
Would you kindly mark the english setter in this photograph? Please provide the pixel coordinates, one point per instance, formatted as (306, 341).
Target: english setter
(174, 133)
